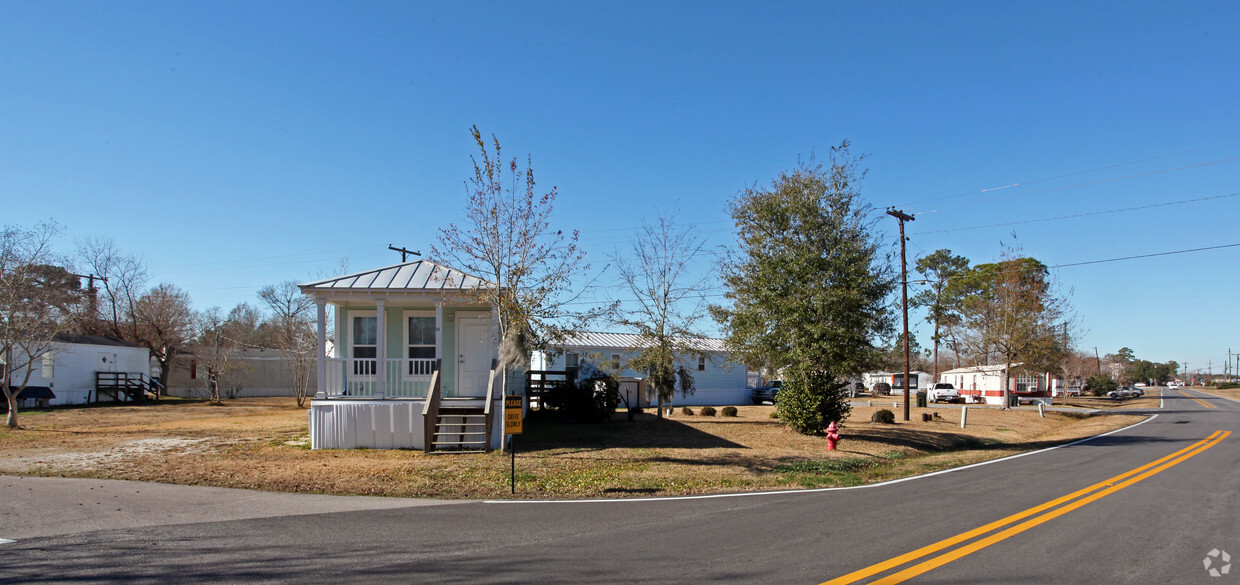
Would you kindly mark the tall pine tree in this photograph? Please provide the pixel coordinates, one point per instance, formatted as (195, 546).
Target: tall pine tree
(808, 285)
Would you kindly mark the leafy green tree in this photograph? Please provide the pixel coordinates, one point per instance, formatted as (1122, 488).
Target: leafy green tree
(1012, 316)
(1100, 384)
(1146, 371)
(944, 298)
(808, 286)
(1124, 356)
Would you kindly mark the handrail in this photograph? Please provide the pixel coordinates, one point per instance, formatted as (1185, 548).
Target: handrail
(430, 411)
(486, 409)
(490, 388)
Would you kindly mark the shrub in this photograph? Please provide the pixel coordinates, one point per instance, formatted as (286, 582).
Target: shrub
(1226, 385)
(708, 411)
(884, 416)
(774, 414)
(685, 410)
(1100, 384)
(809, 401)
(728, 411)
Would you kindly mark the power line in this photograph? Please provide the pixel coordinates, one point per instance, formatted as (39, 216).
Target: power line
(1146, 256)
(1072, 174)
(1086, 184)
(1077, 215)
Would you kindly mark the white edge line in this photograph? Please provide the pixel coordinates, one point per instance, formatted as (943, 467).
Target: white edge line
(819, 490)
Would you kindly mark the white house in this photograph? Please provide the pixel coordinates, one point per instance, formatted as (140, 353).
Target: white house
(985, 384)
(413, 365)
(717, 380)
(79, 365)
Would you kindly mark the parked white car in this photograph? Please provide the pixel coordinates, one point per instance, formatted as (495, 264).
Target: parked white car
(944, 392)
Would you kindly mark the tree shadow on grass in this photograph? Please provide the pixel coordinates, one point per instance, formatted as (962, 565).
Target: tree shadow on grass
(644, 432)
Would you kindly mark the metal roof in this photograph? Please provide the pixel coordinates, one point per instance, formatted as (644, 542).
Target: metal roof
(420, 275)
(600, 340)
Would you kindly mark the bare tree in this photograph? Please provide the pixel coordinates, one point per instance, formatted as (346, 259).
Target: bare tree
(38, 301)
(508, 240)
(666, 275)
(121, 278)
(214, 348)
(163, 323)
(294, 335)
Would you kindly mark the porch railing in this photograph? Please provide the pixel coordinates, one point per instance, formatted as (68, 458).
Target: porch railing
(358, 377)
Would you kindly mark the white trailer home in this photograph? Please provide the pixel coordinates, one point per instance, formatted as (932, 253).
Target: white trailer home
(718, 380)
(72, 371)
(985, 384)
(894, 381)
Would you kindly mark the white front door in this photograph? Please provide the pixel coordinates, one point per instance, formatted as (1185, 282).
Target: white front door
(475, 348)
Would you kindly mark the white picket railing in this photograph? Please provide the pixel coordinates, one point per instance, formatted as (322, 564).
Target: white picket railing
(357, 377)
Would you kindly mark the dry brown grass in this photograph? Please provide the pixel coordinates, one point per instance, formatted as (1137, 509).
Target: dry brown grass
(1229, 393)
(261, 443)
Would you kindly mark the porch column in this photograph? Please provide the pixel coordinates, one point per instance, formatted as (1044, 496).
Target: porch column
(439, 333)
(321, 391)
(380, 348)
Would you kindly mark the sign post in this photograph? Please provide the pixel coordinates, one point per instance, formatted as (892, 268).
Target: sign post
(514, 411)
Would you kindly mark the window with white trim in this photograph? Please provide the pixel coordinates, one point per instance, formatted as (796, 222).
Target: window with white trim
(701, 363)
(365, 338)
(49, 365)
(420, 343)
(1026, 383)
(572, 360)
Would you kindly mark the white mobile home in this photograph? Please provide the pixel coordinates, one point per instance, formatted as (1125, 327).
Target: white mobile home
(985, 384)
(718, 380)
(894, 381)
(72, 368)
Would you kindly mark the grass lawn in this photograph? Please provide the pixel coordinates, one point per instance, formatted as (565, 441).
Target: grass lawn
(261, 443)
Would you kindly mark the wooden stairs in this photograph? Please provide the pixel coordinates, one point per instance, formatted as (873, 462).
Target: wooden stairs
(461, 428)
(458, 425)
(133, 387)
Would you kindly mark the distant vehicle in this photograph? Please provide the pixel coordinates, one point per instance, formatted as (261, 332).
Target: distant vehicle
(766, 393)
(1122, 393)
(944, 392)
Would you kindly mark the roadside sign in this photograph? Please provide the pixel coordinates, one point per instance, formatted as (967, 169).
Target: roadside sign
(514, 408)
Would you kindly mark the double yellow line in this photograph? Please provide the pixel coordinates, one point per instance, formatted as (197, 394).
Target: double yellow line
(1198, 400)
(1049, 510)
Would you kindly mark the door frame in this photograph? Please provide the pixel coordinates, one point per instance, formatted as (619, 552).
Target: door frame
(462, 321)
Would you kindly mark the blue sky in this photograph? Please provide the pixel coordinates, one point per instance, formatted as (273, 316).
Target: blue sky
(237, 144)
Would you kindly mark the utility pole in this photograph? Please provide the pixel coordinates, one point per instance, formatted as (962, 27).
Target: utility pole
(404, 254)
(93, 307)
(903, 217)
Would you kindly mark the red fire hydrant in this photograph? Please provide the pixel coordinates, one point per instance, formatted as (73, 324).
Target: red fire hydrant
(833, 436)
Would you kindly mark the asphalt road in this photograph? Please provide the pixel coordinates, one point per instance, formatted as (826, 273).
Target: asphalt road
(1146, 505)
